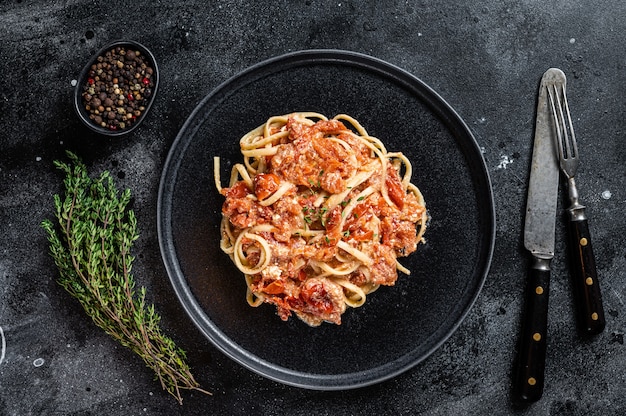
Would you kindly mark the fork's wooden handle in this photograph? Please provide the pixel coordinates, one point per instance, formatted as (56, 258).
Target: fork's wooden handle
(585, 279)
(529, 377)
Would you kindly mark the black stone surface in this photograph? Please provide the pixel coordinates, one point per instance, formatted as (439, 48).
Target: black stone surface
(484, 58)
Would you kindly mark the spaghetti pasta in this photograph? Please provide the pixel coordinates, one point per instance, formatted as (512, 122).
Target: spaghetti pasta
(317, 214)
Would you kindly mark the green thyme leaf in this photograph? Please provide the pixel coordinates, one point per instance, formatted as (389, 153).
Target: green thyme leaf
(91, 244)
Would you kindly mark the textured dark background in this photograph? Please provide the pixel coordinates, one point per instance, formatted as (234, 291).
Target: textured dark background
(485, 58)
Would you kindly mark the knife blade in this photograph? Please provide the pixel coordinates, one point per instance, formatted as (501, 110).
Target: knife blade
(539, 236)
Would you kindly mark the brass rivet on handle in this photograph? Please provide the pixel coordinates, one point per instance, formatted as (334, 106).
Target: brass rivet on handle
(583, 241)
(532, 381)
(594, 316)
(537, 336)
(589, 281)
(539, 290)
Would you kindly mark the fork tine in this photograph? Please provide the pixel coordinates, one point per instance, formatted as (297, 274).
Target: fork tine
(553, 96)
(566, 139)
(564, 143)
(573, 150)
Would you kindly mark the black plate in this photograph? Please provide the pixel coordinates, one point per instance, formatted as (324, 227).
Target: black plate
(398, 326)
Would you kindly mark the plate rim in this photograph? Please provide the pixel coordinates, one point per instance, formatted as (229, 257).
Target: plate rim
(188, 301)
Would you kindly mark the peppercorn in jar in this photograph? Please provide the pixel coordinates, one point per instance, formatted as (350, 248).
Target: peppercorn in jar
(118, 87)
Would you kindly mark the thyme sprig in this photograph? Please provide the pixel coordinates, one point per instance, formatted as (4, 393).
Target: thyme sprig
(91, 246)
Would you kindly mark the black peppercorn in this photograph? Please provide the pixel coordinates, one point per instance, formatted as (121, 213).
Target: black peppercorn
(117, 88)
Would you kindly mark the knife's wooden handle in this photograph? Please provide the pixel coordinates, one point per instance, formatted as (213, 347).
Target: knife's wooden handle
(528, 383)
(587, 293)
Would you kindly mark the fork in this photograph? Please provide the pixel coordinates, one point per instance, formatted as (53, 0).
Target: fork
(585, 278)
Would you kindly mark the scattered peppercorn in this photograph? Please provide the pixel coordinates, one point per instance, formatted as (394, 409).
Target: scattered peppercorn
(111, 95)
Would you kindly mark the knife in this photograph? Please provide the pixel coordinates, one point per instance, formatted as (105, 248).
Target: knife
(539, 235)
